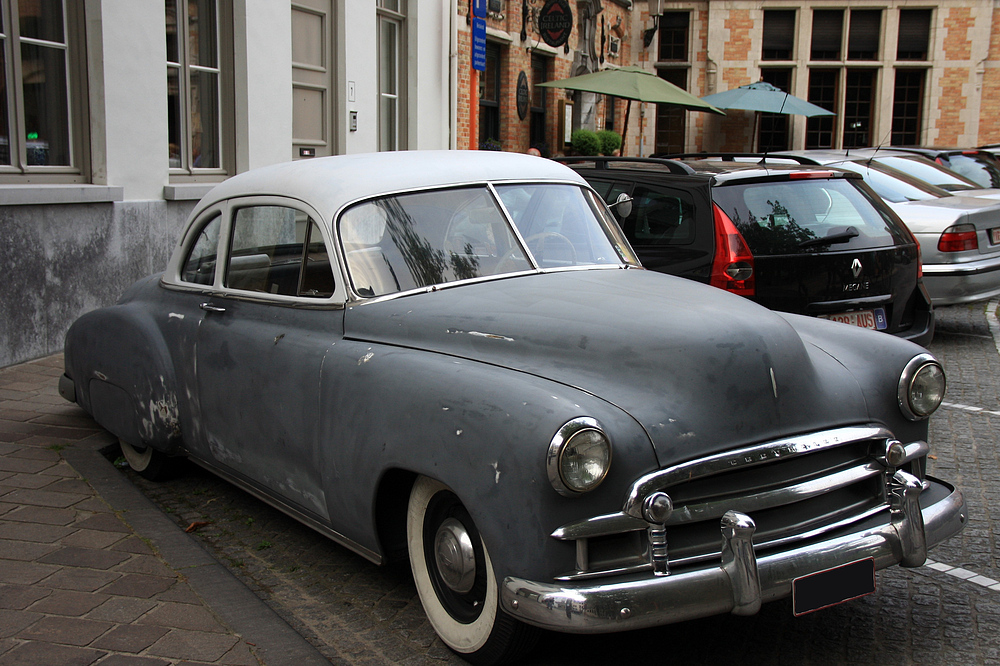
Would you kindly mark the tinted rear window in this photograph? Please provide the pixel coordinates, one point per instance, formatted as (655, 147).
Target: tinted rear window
(791, 217)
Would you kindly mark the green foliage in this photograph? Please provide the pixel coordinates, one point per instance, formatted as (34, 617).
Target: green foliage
(610, 142)
(585, 142)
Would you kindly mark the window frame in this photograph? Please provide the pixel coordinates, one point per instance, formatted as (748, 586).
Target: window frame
(392, 12)
(225, 97)
(73, 45)
(228, 209)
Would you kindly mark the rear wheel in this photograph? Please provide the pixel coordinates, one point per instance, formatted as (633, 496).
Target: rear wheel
(144, 460)
(455, 579)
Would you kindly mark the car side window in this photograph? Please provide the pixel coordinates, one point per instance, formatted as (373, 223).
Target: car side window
(278, 250)
(661, 217)
(199, 267)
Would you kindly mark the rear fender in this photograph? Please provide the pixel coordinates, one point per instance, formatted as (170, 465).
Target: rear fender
(123, 377)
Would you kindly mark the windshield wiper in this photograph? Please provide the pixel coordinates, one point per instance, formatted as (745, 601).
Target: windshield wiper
(833, 237)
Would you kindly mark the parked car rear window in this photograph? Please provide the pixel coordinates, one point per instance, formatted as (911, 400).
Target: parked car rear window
(780, 218)
(979, 169)
(892, 184)
(929, 171)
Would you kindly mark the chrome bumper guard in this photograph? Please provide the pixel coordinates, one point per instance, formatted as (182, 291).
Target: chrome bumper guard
(742, 581)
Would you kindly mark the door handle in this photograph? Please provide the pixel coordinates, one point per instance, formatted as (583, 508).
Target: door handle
(208, 307)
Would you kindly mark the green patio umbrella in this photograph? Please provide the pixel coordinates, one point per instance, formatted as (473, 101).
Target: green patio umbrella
(633, 83)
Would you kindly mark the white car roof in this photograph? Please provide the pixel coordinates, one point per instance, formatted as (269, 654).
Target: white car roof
(328, 183)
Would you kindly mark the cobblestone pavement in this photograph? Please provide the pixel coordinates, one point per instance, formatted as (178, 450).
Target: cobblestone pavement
(942, 613)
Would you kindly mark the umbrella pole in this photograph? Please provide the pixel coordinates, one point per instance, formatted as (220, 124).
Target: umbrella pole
(628, 107)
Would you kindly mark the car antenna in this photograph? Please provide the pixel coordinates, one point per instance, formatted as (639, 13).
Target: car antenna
(877, 148)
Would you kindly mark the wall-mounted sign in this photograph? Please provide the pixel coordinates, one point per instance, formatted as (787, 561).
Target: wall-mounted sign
(523, 96)
(479, 8)
(479, 44)
(555, 22)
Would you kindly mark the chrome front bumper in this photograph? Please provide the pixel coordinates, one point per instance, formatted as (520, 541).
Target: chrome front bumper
(741, 581)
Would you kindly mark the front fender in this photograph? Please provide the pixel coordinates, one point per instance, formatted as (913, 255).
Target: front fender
(480, 429)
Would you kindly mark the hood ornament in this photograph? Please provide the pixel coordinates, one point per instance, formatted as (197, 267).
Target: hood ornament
(774, 384)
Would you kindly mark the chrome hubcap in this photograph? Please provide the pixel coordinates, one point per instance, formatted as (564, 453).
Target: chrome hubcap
(454, 556)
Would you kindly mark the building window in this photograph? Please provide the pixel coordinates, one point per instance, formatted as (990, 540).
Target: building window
(827, 34)
(43, 121)
(391, 74)
(822, 92)
(863, 37)
(914, 34)
(671, 121)
(199, 88)
(489, 100)
(779, 34)
(859, 97)
(673, 29)
(539, 69)
(774, 126)
(907, 107)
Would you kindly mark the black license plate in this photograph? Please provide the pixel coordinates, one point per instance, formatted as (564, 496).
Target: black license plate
(833, 586)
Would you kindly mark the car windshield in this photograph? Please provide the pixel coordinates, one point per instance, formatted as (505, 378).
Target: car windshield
(891, 184)
(802, 216)
(928, 171)
(411, 241)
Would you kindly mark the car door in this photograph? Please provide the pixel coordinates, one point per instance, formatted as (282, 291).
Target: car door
(261, 344)
(669, 225)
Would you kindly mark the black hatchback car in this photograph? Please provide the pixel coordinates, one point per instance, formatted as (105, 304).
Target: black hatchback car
(802, 239)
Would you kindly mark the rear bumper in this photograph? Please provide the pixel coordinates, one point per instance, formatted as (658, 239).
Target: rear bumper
(950, 284)
(738, 585)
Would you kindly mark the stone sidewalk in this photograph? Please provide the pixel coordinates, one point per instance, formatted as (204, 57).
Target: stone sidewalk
(90, 571)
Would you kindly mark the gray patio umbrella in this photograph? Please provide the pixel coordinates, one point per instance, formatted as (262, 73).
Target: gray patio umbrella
(763, 97)
(633, 83)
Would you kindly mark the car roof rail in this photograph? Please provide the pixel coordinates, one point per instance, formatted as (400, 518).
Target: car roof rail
(602, 162)
(734, 157)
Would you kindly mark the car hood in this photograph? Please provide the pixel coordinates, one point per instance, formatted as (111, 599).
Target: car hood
(700, 369)
(936, 215)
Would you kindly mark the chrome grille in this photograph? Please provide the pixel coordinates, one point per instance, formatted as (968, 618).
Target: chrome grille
(794, 489)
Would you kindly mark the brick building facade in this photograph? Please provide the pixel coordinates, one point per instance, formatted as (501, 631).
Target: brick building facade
(894, 72)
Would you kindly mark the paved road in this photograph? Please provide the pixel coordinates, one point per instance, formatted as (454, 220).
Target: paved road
(946, 612)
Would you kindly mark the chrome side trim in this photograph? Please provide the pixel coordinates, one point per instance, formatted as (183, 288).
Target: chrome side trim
(745, 457)
(641, 601)
(289, 510)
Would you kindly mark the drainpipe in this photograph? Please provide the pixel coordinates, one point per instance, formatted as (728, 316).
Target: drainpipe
(452, 27)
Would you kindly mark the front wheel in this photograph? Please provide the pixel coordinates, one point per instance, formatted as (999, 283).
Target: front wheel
(455, 580)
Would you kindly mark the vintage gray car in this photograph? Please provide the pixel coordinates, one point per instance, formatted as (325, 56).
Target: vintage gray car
(455, 357)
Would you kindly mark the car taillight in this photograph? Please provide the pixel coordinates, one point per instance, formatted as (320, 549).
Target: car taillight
(958, 238)
(732, 268)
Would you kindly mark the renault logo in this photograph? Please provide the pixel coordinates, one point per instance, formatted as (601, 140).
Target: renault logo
(856, 267)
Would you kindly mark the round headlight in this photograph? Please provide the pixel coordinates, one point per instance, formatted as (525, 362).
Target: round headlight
(578, 457)
(921, 387)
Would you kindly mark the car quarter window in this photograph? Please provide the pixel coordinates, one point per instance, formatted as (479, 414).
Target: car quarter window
(278, 250)
(199, 267)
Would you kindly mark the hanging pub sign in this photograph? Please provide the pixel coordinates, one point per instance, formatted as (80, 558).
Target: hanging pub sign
(523, 97)
(555, 22)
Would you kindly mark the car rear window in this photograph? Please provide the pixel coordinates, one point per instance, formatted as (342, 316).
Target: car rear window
(981, 170)
(806, 216)
(924, 169)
